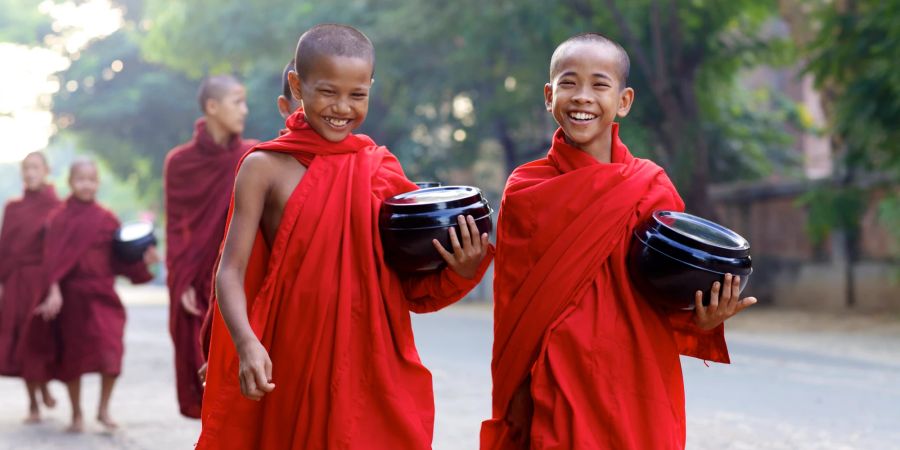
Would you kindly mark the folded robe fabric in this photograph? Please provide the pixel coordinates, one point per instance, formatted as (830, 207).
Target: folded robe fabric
(198, 180)
(599, 364)
(78, 254)
(333, 317)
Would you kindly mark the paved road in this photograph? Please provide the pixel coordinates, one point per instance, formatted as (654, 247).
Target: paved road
(795, 383)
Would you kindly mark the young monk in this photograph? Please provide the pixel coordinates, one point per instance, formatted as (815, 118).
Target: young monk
(26, 348)
(287, 104)
(581, 360)
(81, 270)
(312, 345)
(198, 177)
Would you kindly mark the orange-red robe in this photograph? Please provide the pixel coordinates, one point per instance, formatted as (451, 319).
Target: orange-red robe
(602, 362)
(334, 318)
(78, 254)
(26, 342)
(198, 179)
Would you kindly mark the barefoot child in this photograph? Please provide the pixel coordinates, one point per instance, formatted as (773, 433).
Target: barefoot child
(580, 359)
(26, 347)
(81, 270)
(312, 345)
(198, 179)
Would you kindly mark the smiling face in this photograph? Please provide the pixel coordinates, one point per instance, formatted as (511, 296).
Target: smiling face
(34, 172)
(84, 181)
(334, 94)
(586, 94)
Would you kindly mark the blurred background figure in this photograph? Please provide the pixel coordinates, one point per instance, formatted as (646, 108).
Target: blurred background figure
(26, 342)
(198, 181)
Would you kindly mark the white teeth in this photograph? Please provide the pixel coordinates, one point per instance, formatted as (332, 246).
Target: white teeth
(337, 122)
(582, 116)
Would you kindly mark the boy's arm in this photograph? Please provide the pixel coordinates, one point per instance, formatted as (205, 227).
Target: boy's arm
(470, 258)
(250, 192)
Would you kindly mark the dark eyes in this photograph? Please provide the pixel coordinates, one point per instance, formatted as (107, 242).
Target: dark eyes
(359, 95)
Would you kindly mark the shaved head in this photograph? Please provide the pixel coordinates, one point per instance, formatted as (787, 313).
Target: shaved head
(595, 39)
(40, 156)
(285, 84)
(331, 40)
(215, 88)
(81, 163)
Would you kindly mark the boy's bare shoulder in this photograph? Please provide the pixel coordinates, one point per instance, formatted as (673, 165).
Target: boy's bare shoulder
(267, 164)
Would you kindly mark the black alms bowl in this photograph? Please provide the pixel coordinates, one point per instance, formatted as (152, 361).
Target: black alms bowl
(428, 184)
(408, 223)
(132, 240)
(673, 255)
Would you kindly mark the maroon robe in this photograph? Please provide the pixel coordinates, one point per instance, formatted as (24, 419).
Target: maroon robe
(199, 177)
(26, 345)
(79, 256)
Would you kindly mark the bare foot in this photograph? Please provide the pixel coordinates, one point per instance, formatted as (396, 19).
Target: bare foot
(49, 400)
(77, 425)
(107, 422)
(34, 416)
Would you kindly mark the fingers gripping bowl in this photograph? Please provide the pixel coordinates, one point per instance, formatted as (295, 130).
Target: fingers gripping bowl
(672, 255)
(133, 239)
(409, 222)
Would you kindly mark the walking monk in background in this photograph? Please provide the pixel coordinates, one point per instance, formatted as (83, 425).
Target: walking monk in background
(581, 361)
(287, 104)
(81, 270)
(312, 344)
(26, 341)
(198, 179)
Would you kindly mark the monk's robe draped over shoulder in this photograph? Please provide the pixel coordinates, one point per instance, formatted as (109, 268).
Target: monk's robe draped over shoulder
(603, 363)
(198, 180)
(78, 252)
(26, 345)
(333, 317)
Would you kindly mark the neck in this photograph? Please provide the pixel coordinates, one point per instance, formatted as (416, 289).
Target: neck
(220, 135)
(600, 149)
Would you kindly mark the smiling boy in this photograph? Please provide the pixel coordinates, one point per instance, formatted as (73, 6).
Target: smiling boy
(580, 359)
(312, 345)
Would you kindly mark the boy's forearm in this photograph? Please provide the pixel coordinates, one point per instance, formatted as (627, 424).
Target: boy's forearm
(233, 305)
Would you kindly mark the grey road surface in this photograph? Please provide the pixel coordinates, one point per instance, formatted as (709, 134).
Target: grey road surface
(797, 381)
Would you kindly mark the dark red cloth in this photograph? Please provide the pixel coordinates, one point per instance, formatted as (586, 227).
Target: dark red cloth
(78, 254)
(24, 350)
(603, 363)
(333, 316)
(198, 180)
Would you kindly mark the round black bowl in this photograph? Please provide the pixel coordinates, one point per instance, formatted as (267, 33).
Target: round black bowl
(673, 255)
(428, 184)
(410, 221)
(132, 240)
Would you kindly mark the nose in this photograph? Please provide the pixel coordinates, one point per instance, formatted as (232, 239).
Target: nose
(582, 95)
(342, 107)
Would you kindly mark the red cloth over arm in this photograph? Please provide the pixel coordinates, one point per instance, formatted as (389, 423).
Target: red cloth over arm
(690, 339)
(433, 292)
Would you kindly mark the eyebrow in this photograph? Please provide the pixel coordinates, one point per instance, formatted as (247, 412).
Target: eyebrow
(596, 75)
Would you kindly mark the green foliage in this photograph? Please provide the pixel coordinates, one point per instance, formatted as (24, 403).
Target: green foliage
(22, 23)
(832, 207)
(854, 60)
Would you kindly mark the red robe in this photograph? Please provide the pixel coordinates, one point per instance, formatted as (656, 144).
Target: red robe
(26, 345)
(603, 363)
(333, 316)
(198, 180)
(78, 255)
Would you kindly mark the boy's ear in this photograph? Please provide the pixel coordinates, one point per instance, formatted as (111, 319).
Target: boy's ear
(284, 106)
(548, 96)
(626, 99)
(294, 82)
(211, 107)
